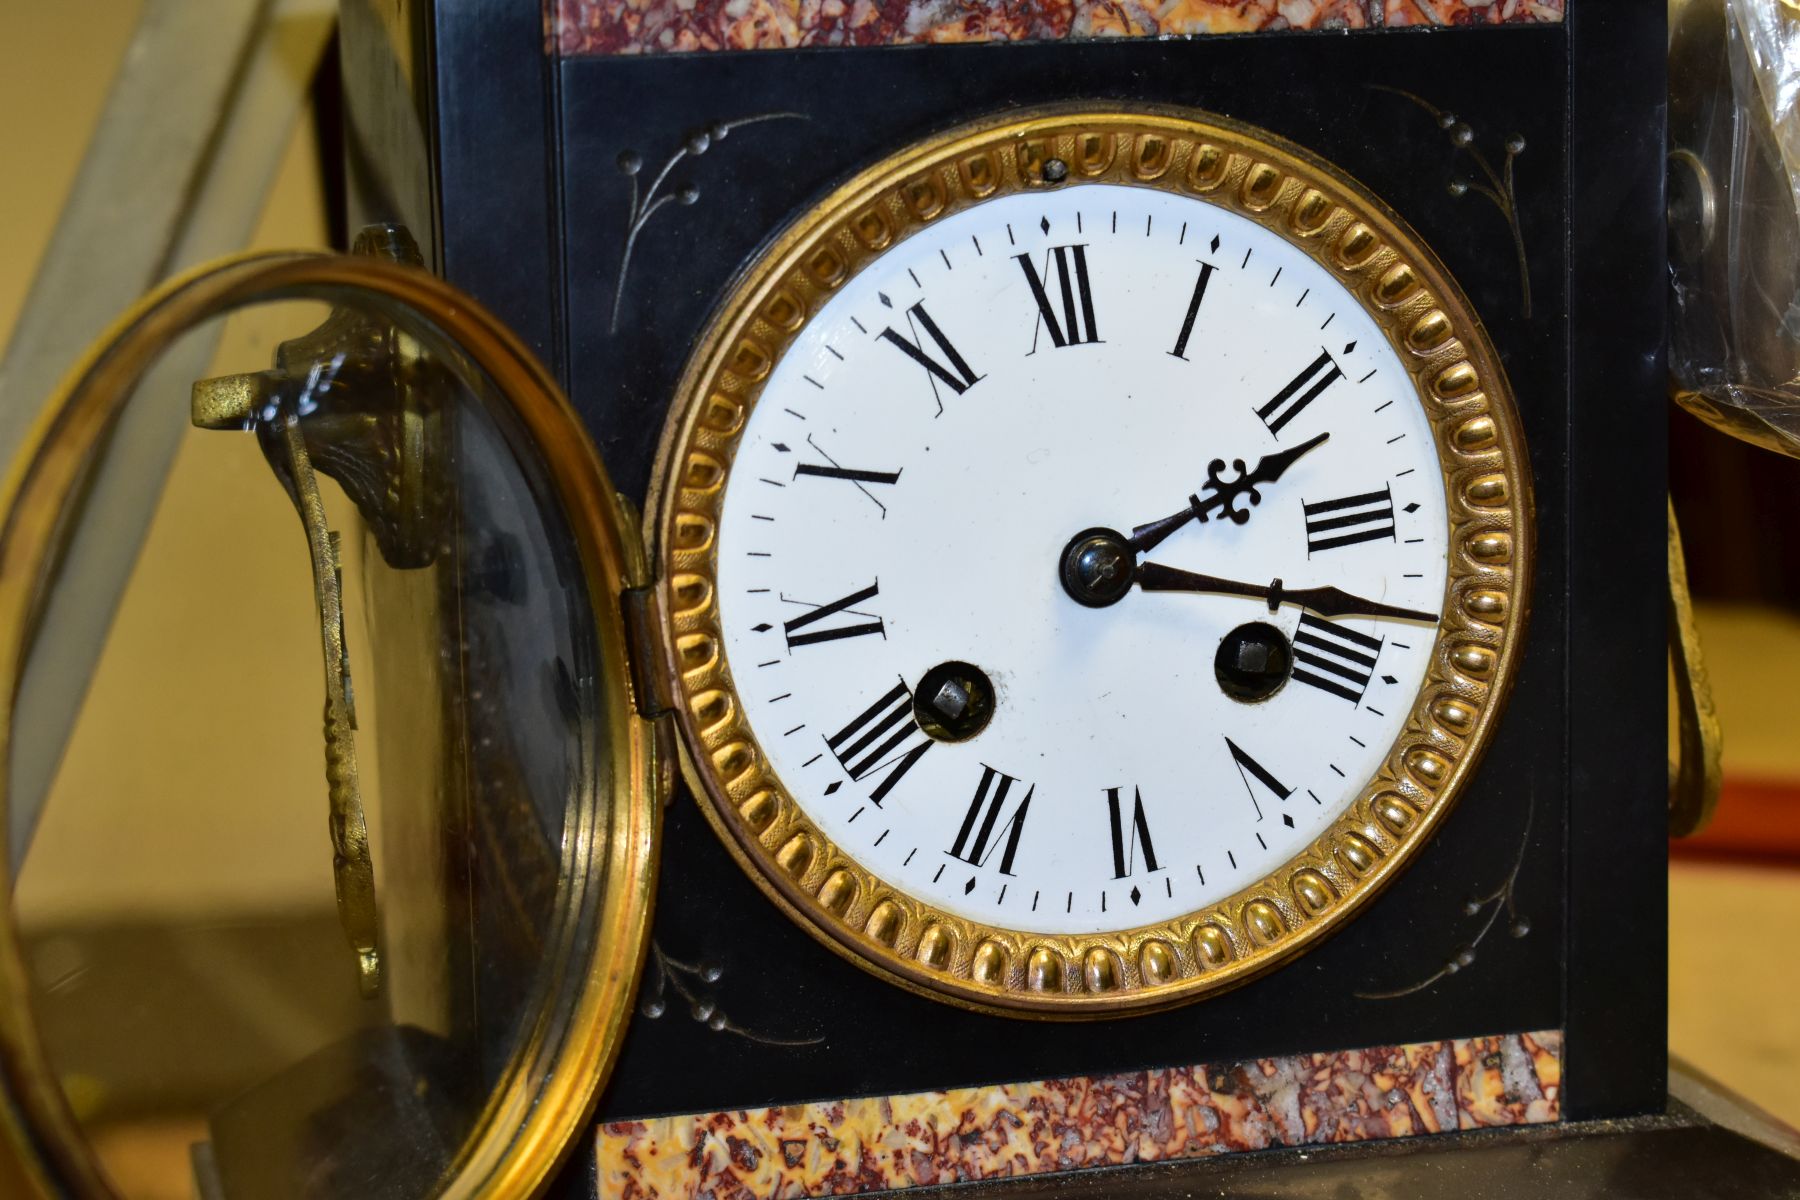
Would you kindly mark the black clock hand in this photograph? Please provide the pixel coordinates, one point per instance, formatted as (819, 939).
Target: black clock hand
(1147, 537)
(1326, 601)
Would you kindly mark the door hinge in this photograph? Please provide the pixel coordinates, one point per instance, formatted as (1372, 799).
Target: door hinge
(643, 625)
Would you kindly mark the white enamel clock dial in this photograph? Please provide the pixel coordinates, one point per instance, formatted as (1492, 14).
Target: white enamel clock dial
(1027, 369)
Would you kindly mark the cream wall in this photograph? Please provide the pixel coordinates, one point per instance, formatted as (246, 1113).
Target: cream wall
(194, 783)
(54, 72)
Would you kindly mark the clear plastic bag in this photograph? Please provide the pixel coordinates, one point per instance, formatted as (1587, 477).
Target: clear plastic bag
(1734, 216)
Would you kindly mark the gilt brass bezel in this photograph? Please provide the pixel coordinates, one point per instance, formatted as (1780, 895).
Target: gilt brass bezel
(595, 948)
(1460, 386)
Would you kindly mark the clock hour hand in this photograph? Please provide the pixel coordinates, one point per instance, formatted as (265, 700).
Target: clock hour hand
(1224, 492)
(1326, 601)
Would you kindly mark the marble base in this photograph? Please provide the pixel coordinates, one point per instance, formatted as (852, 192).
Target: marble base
(847, 1146)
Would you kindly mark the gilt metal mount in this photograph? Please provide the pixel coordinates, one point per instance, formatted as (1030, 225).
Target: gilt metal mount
(357, 399)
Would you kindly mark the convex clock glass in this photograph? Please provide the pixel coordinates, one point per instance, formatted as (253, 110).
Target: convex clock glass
(1094, 542)
(451, 917)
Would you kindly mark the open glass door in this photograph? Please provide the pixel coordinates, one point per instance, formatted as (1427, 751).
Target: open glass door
(388, 953)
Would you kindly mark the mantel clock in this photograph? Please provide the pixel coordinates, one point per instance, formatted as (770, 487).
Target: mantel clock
(961, 594)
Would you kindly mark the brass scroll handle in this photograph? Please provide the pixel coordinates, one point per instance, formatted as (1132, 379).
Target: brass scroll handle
(263, 404)
(351, 868)
(1694, 759)
(356, 399)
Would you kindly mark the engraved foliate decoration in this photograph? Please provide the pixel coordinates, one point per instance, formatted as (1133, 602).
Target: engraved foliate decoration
(956, 692)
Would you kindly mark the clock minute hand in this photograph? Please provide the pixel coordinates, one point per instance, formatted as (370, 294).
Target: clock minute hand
(1155, 577)
(1268, 469)
(1326, 601)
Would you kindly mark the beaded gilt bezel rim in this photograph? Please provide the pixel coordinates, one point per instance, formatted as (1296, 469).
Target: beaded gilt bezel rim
(1460, 386)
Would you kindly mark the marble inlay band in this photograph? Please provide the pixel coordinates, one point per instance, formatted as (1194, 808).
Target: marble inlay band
(679, 26)
(841, 1147)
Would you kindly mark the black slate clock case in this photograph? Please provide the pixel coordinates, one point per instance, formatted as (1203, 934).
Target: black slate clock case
(505, 162)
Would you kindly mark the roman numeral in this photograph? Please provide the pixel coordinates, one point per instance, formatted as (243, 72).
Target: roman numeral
(854, 476)
(1075, 327)
(1301, 391)
(975, 844)
(955, 371)
(1193, 310)
(1334, 659)
(884, 738)
(1248, 769)
(1128, 835)
(1365, 518)
(851, 474)
(822, 612)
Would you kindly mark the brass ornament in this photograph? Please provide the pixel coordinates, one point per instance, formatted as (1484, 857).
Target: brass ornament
(355, 397)
(1696, 758)
(1487, 484)
(352, 869)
